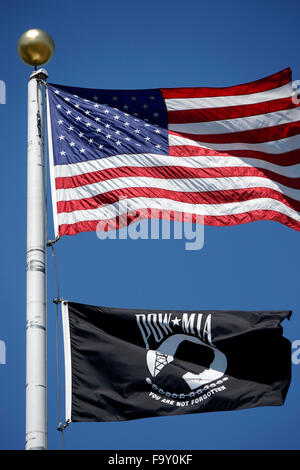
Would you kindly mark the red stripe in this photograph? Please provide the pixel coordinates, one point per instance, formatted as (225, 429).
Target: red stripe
(227, 220)
(171, 173)
(126, 219)
(273, 81)
(221, 221)
(252, 136)
(229, 112)
(282, 159)
(209, 197)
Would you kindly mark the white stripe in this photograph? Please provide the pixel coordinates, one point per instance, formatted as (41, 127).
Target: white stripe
(274, 146)
(68, 360)
(176, 104)
(185, 185)
(147, 160)
(239, 124)
(134, 204)
(122, 160)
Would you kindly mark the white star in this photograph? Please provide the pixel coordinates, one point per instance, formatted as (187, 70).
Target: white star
(157, 146)
(147, 125)
(118, 142)
(97, 119)
(106, 111)
(98, 130)
(60, 122)
(58, 106)
(147, 139)
(107, 126)
(116, 117)
(125, 106)
(176, 321)
(115, 98)
(117, 132)
(68, 112)
(108, 136)
(87, 112)
(91, 141)
(157, 131)
(96, 105)
(127, 138)
(95, 98)
(62, 153)
(133, 98)
(67, 99)
(145, 106)
(61, 137)
(100, 147)
(72, 144)
(155, 114)
(78, 118)
(126, 124)
(80, 134)
(71, 128)
(57, 92)
(88, 124)
(137, 131)
(152, 98)
(77, 105)
(82, 150)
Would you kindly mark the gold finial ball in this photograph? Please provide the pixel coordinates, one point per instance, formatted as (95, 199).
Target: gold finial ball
(35, 47)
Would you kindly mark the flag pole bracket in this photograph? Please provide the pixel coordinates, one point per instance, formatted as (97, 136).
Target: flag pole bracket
(58, 300)
(52, 242)
(62, 426)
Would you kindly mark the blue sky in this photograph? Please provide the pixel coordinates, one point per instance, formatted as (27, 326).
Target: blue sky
(134, 45)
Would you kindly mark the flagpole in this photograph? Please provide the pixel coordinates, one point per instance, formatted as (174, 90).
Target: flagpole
(35, 47)
(36, 324)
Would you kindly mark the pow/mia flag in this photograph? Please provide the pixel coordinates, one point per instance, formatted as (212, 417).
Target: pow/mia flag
(124, 364)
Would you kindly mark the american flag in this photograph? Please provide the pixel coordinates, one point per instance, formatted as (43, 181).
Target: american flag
(230, 155)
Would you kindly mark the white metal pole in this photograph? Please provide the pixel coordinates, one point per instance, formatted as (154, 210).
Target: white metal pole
(36, 345)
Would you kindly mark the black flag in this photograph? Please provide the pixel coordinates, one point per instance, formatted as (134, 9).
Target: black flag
(124, 364)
